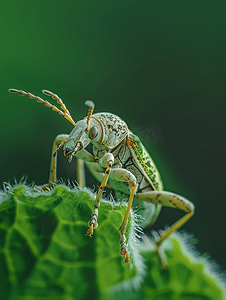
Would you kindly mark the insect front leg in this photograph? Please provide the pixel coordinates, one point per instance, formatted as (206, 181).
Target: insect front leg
(106, 162)
(118, 174)
(60, 139)
(171, 200)
(82, 156)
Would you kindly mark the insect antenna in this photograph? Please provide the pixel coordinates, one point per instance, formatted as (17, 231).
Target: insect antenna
(62, 105)
(64, 113)
(91, 108)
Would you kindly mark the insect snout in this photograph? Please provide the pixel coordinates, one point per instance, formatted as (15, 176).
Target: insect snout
(69, 152)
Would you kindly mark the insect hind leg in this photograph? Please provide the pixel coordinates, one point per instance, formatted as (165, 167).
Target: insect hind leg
(171, 200)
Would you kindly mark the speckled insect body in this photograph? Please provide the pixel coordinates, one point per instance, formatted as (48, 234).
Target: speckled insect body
(119, 161)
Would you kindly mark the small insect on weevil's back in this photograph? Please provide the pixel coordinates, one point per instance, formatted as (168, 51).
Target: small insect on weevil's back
(145, 162)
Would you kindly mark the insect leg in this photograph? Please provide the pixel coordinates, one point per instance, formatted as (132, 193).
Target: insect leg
(61, 138)
(171, 200)
(82, 155)
(118, 174)
(80, 173)
(106, 161)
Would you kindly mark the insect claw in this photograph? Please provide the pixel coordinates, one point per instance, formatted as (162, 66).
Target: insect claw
(123, 250)
(126, 259)
(90, 230)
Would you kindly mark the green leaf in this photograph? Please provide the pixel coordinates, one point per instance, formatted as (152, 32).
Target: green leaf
(46, 254)
(188, 277)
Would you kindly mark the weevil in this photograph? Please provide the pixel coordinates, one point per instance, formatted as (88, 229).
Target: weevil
(119, 161)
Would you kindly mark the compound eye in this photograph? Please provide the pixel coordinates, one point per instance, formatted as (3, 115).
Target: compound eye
(93, 132)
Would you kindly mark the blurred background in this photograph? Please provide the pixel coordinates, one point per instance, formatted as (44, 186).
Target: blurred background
(159, 65)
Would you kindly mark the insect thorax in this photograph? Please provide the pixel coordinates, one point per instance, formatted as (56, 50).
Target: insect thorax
(115, 129)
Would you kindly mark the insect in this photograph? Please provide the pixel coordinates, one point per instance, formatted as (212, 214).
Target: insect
(119, 161)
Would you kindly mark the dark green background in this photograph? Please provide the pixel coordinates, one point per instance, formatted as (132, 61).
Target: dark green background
(161, 62)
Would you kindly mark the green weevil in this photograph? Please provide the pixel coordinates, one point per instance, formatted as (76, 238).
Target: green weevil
(119, 161)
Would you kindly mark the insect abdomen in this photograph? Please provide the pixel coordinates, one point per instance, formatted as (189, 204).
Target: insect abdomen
(145, 161)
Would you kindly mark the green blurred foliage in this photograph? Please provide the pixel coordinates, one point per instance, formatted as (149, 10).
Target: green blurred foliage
(160, 62)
